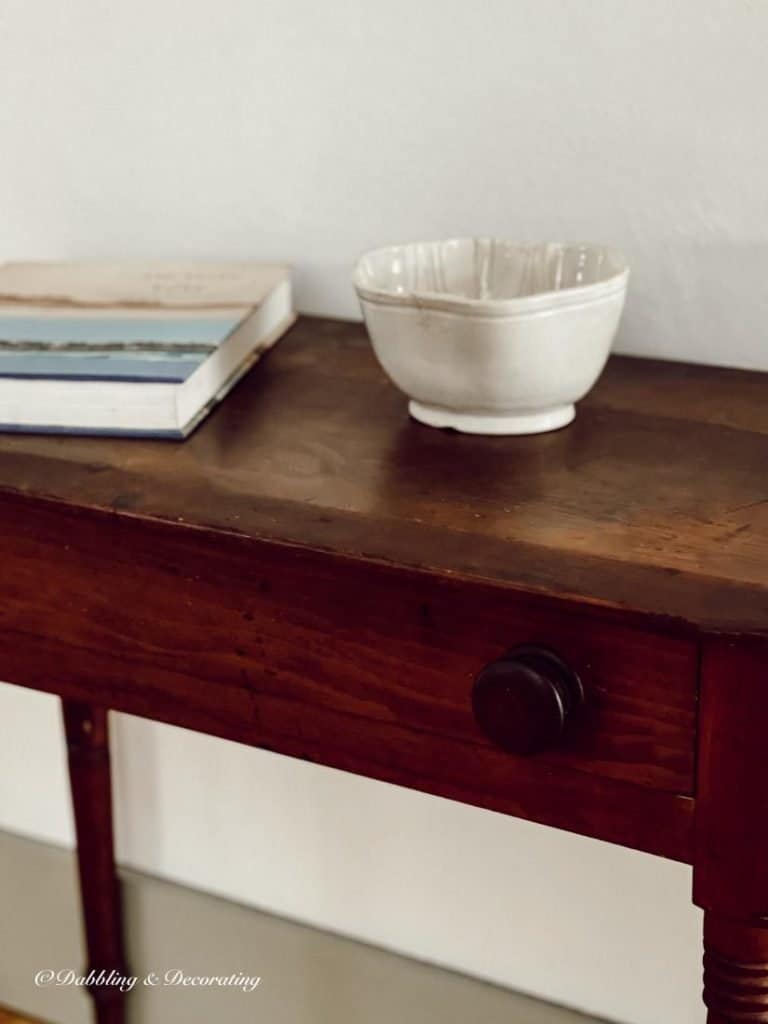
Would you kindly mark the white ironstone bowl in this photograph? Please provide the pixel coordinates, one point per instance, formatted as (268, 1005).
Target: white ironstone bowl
(489, 337)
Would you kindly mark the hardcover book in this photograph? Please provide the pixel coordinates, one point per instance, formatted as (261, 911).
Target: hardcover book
(131, 349)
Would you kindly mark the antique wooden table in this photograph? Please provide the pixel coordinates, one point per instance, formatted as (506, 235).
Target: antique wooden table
(571, 628)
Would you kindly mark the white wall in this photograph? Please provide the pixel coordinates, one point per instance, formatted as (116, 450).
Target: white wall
(310, 131)
(307, 131)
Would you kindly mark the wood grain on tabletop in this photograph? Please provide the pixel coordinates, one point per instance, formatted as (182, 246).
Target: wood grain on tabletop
(655, 498)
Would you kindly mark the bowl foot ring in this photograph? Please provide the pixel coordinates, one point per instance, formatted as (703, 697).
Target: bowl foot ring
(493, 423)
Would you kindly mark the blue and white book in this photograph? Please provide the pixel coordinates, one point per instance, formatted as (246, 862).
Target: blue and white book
(131, 348)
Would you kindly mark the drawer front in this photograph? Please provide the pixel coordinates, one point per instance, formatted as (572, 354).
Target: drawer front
(404, 650)
(348, 663)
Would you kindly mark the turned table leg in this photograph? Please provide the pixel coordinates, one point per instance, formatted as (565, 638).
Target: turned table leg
(89, 774)
(735, 970)
(731, 837)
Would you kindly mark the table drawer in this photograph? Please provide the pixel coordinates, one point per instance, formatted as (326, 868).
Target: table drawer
(402, 651)
(352, 664)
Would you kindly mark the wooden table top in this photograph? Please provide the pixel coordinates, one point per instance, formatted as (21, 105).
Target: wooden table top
(655, 499)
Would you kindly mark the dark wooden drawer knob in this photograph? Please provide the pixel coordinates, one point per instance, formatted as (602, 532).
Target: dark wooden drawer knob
(523, 700)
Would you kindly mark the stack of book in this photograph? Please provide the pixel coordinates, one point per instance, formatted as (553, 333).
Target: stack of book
(131, 349)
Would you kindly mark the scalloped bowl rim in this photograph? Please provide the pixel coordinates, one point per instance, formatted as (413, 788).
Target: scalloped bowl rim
(551, 300)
